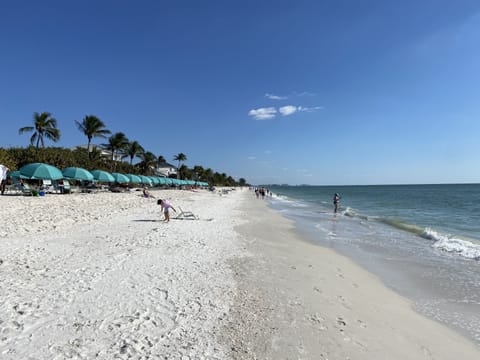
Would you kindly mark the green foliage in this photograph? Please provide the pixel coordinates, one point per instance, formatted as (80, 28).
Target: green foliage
(15, 158)
(7, 160)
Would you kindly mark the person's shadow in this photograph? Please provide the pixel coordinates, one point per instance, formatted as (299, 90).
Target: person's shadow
(146, 220)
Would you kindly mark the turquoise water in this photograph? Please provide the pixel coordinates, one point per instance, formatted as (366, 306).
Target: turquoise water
(446, 214)
(423, 241)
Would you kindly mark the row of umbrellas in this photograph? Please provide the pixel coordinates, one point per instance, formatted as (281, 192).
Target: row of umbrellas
(45, 171)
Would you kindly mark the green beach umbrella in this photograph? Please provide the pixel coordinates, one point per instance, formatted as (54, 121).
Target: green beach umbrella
(134, 179)
(16, 174)
(77, 173)
(145, 179)
(41, 171)
(120, 178)
(154, 179)
(102, 176)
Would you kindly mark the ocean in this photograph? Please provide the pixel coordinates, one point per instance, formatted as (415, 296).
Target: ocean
(422, 241)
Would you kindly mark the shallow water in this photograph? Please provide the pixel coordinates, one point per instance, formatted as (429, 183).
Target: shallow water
(422, 241)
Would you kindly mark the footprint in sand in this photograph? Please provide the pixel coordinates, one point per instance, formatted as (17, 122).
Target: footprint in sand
(318, 321)
(362, 324)
(341, 321)
(345, 303)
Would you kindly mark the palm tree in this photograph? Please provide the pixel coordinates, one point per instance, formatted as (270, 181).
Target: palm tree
(161, 160)
(208, 175)
(92, 127)
(185, 171)
(44, 126)
(197, 171)
(180, 157)
(148, 161)
(133, 150)
(116, 142)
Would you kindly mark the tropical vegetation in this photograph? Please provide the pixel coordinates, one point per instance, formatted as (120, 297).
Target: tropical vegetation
(118, 146)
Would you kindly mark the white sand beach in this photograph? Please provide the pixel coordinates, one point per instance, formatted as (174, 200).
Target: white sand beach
(99, 276)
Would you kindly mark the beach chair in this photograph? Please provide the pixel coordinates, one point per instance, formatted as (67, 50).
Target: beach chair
(63, 187)
(23, 189)
(185, 215)
(46, 185)
(12, 188)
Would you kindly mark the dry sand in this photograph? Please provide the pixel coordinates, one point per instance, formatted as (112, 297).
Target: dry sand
(98, 276)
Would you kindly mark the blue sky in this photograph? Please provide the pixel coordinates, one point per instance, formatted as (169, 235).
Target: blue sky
(298, 92)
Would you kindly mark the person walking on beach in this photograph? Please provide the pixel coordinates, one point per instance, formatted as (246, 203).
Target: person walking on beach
(166, 206)
(336, 200)
(3, 177)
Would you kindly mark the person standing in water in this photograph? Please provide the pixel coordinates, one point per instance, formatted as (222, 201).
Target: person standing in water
(336, 200)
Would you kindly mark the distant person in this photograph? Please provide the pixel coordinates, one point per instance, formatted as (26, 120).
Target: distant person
(166, 206)
(3, 178)
(336, 200)
(147, 194)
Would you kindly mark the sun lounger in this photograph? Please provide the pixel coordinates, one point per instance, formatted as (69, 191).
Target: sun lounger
(22, 188)
(46, 185)
(25, 189)
(185, 215)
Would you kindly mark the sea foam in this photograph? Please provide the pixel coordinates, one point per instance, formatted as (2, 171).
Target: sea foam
(448, 243)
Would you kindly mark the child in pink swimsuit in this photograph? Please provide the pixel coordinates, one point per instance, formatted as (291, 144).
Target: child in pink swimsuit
(166, 206)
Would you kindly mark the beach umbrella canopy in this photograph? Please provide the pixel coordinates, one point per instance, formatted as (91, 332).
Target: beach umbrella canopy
(145, 179)
(152, 180)
(102, 176)
(120, 178)
(134, 179)
(41, 171)
(16, 174)
(155, 180)
(77, 173)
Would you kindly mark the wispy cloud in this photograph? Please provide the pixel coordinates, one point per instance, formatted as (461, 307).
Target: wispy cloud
(288, 110)
(291, 109)
(275, 97)
(310, 109)
(305, 93)
(251, 158)
(263, 113)
(271, 112)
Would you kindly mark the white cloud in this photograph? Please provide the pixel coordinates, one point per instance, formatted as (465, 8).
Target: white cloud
(309, 109)
(305, 93)
(251, 158)
(263, 113)
(268, 152)
(287, 110)
(275, 97)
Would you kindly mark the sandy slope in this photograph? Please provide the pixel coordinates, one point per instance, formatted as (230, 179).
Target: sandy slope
(297, 300)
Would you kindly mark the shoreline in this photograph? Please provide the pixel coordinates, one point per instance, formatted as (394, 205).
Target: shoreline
(318, 304)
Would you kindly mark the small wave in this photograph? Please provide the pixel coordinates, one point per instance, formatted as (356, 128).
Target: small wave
(452, 244)
(289, 201)
(402, 225)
